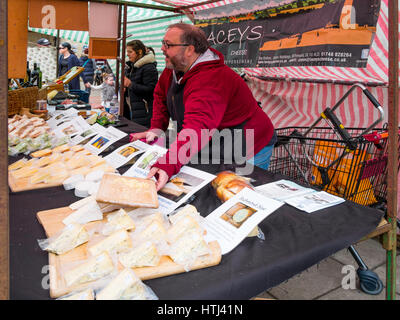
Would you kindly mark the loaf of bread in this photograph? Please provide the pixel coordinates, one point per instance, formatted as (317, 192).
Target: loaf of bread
(227, 184)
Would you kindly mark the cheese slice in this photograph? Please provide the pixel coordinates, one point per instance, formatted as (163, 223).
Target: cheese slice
(188, 210)
(40, 176)
(77, 162)
(87, 213)
(25, 172)
(87, 294)
(125, 286)
(44, 161)
(71, 237)
(80, 203)
(145, 255)
(77, 148)
(17, 165)
(119, 220)
(106, 207)
(95, 161)
(188, 247)
(82, 171)
(119, 241)
(183, 226)
(95, 268)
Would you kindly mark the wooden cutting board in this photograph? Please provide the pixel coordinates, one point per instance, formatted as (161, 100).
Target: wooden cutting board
(23, 184)
(52, 224)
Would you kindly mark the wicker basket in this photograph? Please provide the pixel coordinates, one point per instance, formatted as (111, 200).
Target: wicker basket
(22, 98)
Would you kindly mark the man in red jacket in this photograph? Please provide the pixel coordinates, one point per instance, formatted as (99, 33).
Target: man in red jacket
(204, 97)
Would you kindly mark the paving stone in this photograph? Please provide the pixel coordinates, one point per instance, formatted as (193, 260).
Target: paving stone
(371, 252)
(353, 294)
(381, 272)
(311, 283)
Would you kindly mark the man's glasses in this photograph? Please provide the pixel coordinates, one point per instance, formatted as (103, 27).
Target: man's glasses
(169, 45)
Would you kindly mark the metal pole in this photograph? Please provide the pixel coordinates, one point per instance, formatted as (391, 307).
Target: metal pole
(393, 147)
(121, 89)
(138, 5)
(4, 217)
(118, 50)
(57, 55)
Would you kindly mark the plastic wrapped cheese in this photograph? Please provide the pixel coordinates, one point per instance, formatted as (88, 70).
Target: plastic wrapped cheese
(82, 188)
(71, 182)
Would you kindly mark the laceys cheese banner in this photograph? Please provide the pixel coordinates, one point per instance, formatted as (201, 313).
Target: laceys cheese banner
(302, 33)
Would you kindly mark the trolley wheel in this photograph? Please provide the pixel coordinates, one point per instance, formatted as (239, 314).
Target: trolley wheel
(369, 282)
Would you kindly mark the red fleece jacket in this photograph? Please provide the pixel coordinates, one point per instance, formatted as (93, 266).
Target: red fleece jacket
(215, 97)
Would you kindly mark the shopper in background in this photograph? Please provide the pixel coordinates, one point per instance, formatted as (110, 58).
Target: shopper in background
(90, 66)
(67, 60)
(43, 42)
(140, 80)
(107, 90)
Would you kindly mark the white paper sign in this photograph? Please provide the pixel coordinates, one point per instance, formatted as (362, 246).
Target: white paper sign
(282, 190)
(86, 134)
(102, 141)
(125, 153)
(60, 117)
(181, 187)
(142, 166)
(314, 201)
(230, 223)
(71, 128)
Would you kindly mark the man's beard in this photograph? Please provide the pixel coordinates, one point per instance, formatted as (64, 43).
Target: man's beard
(176, 63)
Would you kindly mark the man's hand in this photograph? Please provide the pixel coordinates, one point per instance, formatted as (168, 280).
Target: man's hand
(87, 85)
(162, 177)
(148, 135)
(127, 82)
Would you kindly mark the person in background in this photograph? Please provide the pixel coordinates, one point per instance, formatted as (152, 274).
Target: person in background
(140, 80)
(66, 61)
(107, 90)
(90, 66)
(200, 92)
(43, 42)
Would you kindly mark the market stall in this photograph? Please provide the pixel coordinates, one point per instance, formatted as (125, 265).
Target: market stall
(294, 241)
(289, 240)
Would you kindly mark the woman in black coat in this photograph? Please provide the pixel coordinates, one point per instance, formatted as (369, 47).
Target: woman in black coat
(141, 77)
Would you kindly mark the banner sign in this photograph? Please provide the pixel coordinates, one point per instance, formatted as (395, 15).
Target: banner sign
(303, 33)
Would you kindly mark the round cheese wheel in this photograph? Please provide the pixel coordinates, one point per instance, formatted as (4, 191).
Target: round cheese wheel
(95, 176)
(82, 188)
(93, 190)
(71, 182)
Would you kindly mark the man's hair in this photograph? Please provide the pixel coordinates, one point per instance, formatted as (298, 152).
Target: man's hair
(137, 45)
(192, 35)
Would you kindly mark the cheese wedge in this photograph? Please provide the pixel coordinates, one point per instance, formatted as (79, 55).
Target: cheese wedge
(188, 247)
(87, 294)
(77, 162)
(181, 227)
(58, 176)
(145, 255)
(25, 172)
(41, 153)
(87, 213)
(44, 161)
(119, 241)
(155, 231)
(95, 268)
(125, 286)
(77, 148)
(62, 148)
(71, 237)
(188, 210)
(40, 176)
(119, 220)
(80, 203)
(82, 171)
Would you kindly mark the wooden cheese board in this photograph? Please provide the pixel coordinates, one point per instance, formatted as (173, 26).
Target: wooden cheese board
(23, 184)
(51, 221)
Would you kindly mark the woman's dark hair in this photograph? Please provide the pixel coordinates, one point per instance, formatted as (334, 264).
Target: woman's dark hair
(138, 47)
(192, 35)
(151, 49)
(68, 46)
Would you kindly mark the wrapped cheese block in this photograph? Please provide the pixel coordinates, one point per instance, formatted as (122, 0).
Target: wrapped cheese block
(144, 255)
(93, 269)
(119, 241)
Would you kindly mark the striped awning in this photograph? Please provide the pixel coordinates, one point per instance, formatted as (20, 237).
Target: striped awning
(151, 33)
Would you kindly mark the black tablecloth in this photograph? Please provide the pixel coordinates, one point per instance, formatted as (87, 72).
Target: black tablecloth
(294, 241)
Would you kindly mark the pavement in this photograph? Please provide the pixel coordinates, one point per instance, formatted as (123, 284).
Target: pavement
(323, 281)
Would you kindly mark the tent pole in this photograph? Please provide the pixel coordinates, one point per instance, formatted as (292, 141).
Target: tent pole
(393, 160)
(4, 217)
(118, 50)
(57, 46)
(121, 89)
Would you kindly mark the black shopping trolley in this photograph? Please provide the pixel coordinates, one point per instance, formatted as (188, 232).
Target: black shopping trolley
(347, 162)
